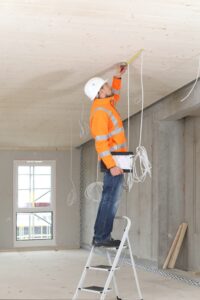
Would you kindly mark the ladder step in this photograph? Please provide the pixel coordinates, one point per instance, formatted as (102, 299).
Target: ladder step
(94, 289)
(102, 268)
(116, 249)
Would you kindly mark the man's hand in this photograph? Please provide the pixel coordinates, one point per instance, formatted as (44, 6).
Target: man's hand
(122, 69)
(116, 171)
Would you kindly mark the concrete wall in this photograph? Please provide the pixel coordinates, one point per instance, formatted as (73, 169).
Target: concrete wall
(68, 217)
(158, 206)
(192, 191)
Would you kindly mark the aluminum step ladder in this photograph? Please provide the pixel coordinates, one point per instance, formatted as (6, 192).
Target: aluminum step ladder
(110, 268)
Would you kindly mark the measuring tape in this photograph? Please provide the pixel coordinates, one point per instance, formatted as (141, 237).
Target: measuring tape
(134, 57)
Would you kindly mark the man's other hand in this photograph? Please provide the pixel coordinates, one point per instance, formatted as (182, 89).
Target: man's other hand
(116, 171)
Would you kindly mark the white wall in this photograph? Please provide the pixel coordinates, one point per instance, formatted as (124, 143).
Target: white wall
(68, 217)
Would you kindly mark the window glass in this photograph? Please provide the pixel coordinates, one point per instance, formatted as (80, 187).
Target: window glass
(42, 181)
(34, 226)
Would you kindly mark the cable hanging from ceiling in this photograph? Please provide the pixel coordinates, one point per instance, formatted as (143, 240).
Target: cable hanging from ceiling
(141, 164)
(194, 85)
(84, 127)
(72, 195)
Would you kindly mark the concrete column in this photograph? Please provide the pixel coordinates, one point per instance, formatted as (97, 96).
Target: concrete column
(170, 183)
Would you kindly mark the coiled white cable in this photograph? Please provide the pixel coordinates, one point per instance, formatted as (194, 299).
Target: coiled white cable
(141, 167)
(94, 190)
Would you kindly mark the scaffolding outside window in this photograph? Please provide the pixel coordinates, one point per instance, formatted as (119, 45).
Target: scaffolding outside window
(34, 226)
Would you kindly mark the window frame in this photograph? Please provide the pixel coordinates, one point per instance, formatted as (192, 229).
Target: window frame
(51, 208)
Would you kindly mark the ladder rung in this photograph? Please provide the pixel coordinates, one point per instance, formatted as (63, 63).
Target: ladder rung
(102, 268)
(116, 249)
(94, 289)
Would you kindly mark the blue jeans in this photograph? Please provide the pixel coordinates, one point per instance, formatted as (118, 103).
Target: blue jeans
(112, 190)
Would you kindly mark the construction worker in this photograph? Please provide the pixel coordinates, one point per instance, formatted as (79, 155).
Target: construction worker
(107, 129)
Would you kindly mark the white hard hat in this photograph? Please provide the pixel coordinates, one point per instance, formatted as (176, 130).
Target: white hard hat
(93, 86)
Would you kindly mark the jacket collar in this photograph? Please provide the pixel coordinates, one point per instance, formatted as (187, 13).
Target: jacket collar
(104, 101)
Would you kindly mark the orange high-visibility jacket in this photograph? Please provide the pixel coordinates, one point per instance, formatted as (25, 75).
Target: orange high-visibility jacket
(106, 126)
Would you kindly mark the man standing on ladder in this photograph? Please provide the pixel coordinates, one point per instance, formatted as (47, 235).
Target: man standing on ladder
(107, 129)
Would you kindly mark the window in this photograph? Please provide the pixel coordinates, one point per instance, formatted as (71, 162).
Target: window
(34, 203)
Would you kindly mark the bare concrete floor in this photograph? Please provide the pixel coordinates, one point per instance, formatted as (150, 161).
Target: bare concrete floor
(55, 274)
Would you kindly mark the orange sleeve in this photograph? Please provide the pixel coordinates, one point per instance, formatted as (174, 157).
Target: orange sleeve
(116, 86)
(99, 130)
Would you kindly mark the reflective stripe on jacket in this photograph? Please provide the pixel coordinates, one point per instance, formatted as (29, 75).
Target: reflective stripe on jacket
(107, 127)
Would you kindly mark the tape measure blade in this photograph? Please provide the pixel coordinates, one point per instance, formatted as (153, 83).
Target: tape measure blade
(134, 56)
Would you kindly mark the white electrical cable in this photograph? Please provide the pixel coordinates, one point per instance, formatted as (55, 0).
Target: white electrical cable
(94, 190)
(142, 96)
(128, 86)
(198, 73)
(84, 128)
(72, 195)
(125, 184)
(141, 163)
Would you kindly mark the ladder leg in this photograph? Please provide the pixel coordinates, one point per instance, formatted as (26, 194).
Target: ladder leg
(114, 277)
(134, 270)
(83, 274)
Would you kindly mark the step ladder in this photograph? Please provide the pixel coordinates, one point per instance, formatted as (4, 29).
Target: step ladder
(110, 268)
